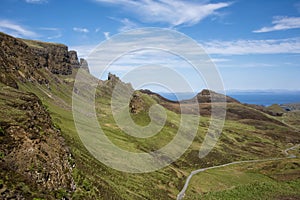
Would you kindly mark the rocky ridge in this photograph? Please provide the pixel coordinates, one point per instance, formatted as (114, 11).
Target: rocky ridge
(34, 159)
(24, 60)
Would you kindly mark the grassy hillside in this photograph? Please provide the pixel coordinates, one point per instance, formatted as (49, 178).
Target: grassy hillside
(248, 134)
(34, 159)
(264, 180)
(243, 138)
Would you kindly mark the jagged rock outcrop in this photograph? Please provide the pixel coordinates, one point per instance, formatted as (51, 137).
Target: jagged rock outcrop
(33, 152)
(84, 65)
(73, 59)
(136, 104)
(26, 60)
(53, 56)
(113, 80)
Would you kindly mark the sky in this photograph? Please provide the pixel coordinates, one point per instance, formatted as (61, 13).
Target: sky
(255, 44)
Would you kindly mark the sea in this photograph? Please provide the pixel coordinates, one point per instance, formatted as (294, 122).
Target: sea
(264, 98)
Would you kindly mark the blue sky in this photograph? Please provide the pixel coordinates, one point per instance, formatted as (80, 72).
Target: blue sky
(255, 44)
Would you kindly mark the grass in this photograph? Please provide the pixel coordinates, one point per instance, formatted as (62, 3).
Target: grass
(39, 44)
(292, 119)
(244, 181)
(240, 140)
(255, 190)
(2, 154)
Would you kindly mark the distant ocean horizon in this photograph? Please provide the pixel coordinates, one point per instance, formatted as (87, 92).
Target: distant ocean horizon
(265, 98)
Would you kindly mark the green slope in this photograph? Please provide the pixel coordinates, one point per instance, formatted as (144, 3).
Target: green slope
(248, 134)
(241, 140)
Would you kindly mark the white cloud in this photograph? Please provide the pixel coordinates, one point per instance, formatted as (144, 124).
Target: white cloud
(242, 47)
(219, 50)
(281, 23)
(127, 25)
(15, 29)
(247, 65)
(106, 35)
(214, 48)
(173, 12)
(220, 60)
(36, 1)
(49, 29)
(97, 30)
(81, 30)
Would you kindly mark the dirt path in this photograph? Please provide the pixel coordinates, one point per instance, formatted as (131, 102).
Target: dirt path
(182, 192)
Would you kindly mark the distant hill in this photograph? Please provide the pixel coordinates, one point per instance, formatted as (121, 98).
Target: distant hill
(291, 106)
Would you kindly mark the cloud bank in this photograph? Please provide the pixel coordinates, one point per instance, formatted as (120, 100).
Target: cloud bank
(172, 12)
(281, 23)
(15, 29)
(81, 30)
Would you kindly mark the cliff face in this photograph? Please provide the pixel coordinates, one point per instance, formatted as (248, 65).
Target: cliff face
(34, 161)
(33, 153)
(20, 60)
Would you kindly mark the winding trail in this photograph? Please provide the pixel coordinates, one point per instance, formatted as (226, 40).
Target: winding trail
(181, 194)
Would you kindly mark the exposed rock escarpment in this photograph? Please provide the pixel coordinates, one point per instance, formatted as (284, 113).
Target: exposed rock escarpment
(84, 64)
(34, 160)
(33, 153)
(73, 59)
(24, 60)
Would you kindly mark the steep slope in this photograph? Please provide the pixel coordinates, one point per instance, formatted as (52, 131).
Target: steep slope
(34, 159)
(248, 133)
(47, 72)
(25, 60)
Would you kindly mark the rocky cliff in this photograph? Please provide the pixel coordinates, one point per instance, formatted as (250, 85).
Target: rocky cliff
(34, 160)
(23, 60)
(33, 155)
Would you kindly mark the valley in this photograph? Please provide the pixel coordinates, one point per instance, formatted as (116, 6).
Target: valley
(43, 157)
